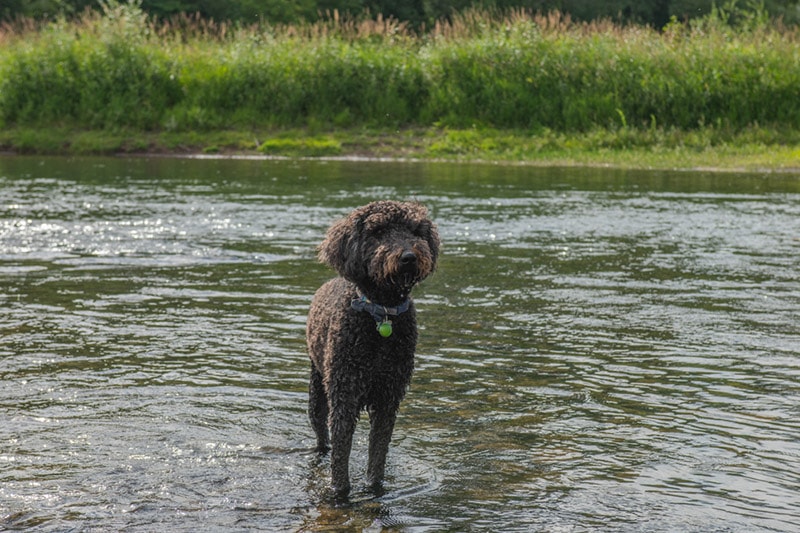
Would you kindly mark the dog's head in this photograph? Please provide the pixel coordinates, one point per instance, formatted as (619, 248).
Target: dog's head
(385, 245)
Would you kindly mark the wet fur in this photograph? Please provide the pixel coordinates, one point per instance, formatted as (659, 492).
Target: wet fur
(354, 368)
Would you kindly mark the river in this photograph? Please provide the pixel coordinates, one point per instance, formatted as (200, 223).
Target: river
(600, 350)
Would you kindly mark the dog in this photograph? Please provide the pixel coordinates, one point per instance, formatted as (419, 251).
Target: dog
(362, 331)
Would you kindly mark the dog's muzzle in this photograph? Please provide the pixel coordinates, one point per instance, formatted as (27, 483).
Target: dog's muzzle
(408, 259)
(408, 273)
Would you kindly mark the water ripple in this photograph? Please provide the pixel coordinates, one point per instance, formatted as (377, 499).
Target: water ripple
(598, 350)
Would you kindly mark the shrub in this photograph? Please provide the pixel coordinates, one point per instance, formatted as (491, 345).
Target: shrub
(120, 69)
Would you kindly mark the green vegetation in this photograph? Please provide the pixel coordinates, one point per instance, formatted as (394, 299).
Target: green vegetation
(302, 147)
(517, 86)
(419, 14)
(752, 149)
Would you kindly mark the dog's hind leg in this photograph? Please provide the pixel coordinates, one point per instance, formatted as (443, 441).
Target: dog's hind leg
(382, 421)
(318, 409)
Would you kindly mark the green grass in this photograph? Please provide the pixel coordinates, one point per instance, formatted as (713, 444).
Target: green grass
(122, 70)
(752, 149)
(301, 147)
(512, 87)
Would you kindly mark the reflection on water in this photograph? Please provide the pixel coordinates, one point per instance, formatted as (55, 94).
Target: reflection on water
(600, 350)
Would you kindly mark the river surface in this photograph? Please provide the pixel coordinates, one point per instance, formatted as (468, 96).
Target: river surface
(600, 350)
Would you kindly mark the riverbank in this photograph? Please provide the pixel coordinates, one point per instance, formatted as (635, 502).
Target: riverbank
(755, 149)
(538, 89)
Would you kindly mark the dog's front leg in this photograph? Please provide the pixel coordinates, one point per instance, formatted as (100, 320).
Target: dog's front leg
(343, 418)
(382, 421)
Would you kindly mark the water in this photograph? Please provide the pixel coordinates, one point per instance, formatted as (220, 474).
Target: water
(600, 350)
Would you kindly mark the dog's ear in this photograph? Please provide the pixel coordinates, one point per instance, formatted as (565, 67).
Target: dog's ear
(434, 243)
(427, 230)
(340, 249)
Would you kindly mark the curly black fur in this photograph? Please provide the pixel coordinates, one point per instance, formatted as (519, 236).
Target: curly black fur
(380, 251)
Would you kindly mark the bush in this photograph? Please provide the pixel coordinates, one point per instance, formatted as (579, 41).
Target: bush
(121, 69)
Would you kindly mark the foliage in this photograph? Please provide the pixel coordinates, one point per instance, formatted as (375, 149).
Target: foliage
(419, 13)
(123, 69)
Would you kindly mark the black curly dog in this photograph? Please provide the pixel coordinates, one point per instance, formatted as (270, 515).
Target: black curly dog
(362, 329)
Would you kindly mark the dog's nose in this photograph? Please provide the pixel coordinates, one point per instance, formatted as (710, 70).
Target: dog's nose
(408, 258)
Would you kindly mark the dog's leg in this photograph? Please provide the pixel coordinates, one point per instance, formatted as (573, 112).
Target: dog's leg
(343, 418)
(318, 409)
(381, 421)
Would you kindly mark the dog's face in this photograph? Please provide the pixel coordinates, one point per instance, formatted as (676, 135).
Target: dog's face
(384, 244)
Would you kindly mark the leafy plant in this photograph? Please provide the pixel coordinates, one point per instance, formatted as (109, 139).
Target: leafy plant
(122, 69)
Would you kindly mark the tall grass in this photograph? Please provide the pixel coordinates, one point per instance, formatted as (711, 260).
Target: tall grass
(120, 69)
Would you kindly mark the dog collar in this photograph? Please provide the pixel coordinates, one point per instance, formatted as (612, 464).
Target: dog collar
(380, 313)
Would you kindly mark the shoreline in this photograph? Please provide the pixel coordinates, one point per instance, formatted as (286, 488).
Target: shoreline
(751, 151)
(500, 162)
(539, 163)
